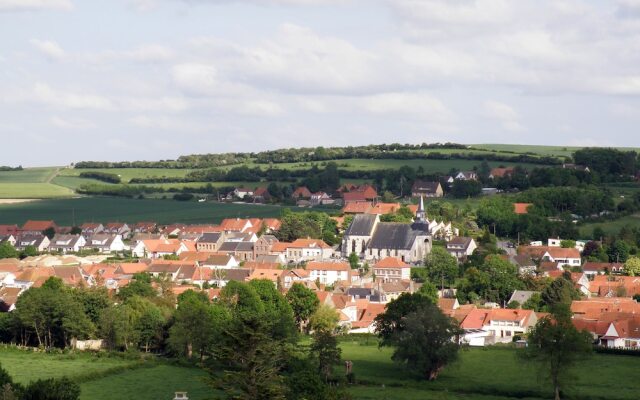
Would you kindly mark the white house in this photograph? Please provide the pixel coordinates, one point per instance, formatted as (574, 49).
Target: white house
(563, 256)
(158, 248)
(461, 247)
(329, 273)
(106, 243)
(392, 269)
(308, 250)
(67, 243)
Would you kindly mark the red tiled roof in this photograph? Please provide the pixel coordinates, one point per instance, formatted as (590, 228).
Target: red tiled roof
(521, 208)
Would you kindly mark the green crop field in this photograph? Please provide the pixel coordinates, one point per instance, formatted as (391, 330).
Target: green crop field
(104, 209)
(610, 227)
(557, 151)
(496, 373)
(126, 174)
(31, 183)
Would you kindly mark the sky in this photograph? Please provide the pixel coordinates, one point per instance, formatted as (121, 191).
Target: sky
(156, 79)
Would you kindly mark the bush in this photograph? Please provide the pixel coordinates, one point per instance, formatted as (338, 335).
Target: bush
(183, 196)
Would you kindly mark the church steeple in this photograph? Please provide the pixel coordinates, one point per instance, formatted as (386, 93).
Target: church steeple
(421, 214)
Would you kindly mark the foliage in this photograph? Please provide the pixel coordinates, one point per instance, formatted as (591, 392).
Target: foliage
(560, 291)
(101, 176)
(424, 341)
(304, 303)
(315, 225)
(441, 266)
(393, 320)
(325, 318)
(557, 345)
(52, 389)
(429, 290)
(632, 266)
(324, 349)
(7, 251)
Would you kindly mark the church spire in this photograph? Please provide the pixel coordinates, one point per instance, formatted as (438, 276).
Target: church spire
(421, 215)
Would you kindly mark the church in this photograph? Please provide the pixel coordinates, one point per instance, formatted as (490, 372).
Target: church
(373, 240)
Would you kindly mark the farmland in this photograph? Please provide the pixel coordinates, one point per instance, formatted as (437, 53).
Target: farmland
(104, 209)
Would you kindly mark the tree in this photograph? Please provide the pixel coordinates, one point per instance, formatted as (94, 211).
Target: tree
(326, 352)
(325, 318)
(425, 343)
(7, 251)
(618, 251)
(557, 345)
(49, 232)
(354, 261)
(632, 266)
(560, 291)
(430, 291)
(251, 356)
(441, 266)
(304, 303)
(29, 251)
(139, 286)
(392, 321)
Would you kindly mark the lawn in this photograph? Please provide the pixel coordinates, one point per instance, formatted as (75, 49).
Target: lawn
(156, 383)
(26, 366)
(490, 372)
(105, 209)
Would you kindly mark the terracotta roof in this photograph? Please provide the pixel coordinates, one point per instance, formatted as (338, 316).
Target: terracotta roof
(391, 262)
(384, 208)
(270, 274)
(38, 225)
(328, 266)
(356, 207)
(521, 208)
(309, 243)
(559, 252)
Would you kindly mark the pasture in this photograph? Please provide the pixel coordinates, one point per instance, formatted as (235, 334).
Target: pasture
(105, 209)
(31, 183)
(487, 373)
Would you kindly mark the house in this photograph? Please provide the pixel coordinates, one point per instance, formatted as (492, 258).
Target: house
(261, 195)
(563, 256)
(158, 248)
(301, 192)
(501, 172)
(262, 247)
(320, 198)
(145, 227)
(91, 228)
(463, 176)
(366, 313)
(576, 167)
(329, 273)
(291, 276)
(220, 277)
(392, 269)
(8, 239)
(39, 241)
(524, 263)
(9, 297)
(521, 208)
(67, 243)
(614, 286)
(358, 193)
(489, 326)
(242, 251)
(308, 250)
(209, 242)
(426, 189)
(461, 247)
(240, 193)
(37, 227)
(6, 230)
(357, 207)
(599, 268)
(118, 228)
(106, 243)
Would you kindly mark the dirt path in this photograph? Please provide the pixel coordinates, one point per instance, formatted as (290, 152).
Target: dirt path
(53, 175)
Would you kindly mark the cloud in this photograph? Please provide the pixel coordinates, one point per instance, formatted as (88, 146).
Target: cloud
(34, 5)
(49, 48)
(71, 124)
(45, 94)
(504, 114)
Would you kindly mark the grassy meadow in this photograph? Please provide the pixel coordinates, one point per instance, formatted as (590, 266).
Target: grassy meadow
(105, 209)
(484, 374)
(488, 373)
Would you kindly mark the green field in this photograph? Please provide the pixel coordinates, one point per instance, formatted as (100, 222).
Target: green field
(557, 151)
(493, 372)
(126, 174)
(105, 209)
(485, 374)
(610, 227)
(31, 183)
(30, 175)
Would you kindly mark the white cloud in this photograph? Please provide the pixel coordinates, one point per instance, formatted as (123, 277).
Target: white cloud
(45, 94)
(28, 5)
(71, 124)
(504, 114)
(49, 48)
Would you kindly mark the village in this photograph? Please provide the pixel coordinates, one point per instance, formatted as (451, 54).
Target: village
(373, 264)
